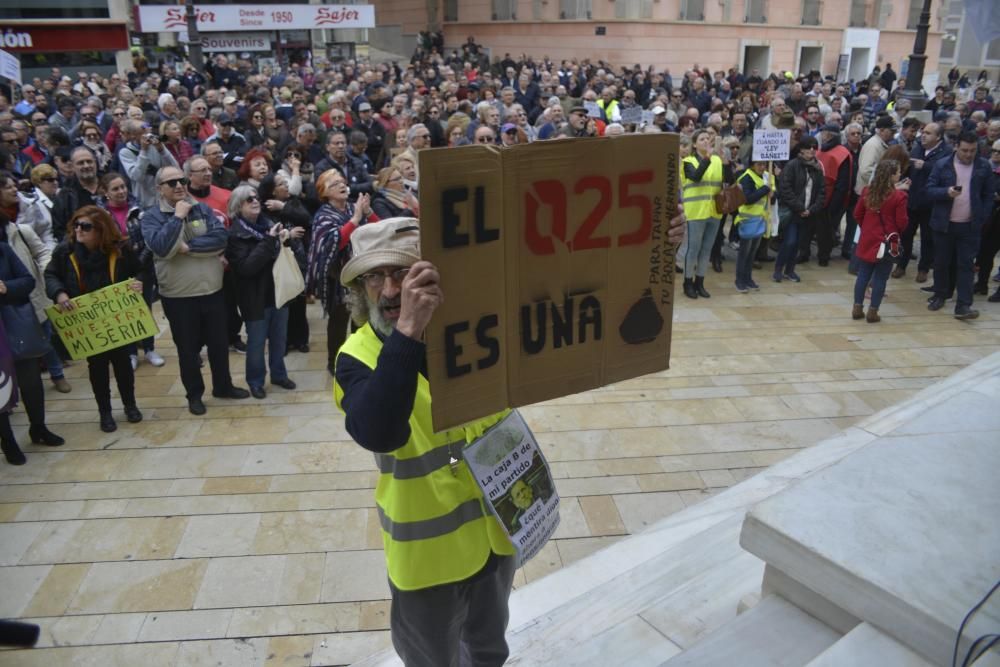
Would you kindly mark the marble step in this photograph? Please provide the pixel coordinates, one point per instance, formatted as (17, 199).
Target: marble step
(774, 633)
(867, 645)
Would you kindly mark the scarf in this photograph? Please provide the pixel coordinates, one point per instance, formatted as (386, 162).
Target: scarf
(325, 254)
(254, 228)
(399, 199)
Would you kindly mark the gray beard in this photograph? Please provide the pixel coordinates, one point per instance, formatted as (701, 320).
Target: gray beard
(379, 323)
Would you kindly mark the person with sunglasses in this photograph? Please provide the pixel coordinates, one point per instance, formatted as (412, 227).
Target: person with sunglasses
(255, 241)
(187, 240)
(94, 256)
(46, 181)
(92, 137)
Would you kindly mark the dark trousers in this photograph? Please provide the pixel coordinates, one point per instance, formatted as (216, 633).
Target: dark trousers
(989, 247)
(919, 221)
(785, 262)
(234, 322)
(196, 321)
(876, 273)
(298, 325)
(807, 230)
(850, 227)
(100, 379)
(720, 237)
(29, 384)
(338, 319)
(825, 224)
(744, 260)
(454, 624)
(961, 245)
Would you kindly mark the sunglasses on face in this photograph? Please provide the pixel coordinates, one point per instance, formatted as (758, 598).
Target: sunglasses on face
(485, 140)
(174, 182)
(84, 226)
(253, 198)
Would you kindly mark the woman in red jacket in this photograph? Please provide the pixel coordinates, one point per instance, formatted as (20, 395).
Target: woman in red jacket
(881, 213)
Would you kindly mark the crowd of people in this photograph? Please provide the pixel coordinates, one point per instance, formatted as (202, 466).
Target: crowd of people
(188, 184)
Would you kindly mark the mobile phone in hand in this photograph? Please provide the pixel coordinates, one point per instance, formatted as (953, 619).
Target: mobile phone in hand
(958, 188)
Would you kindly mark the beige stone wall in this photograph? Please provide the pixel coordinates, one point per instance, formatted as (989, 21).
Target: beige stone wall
(662, 41)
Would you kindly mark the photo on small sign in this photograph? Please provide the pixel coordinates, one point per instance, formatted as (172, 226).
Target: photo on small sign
(532, 486)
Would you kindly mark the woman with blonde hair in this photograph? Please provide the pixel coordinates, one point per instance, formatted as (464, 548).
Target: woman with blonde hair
(391, 200)
(881, 214)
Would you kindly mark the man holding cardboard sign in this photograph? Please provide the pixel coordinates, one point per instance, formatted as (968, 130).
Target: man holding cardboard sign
(449, 560)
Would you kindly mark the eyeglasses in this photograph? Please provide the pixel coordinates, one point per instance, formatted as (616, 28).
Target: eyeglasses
(92, 135)
(50, 179)
(485, 140)
(377, 280)
(119, 114)
(84, 225)
(174, 182)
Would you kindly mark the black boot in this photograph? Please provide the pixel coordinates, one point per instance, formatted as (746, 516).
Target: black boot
(699, 287)
(8, 444)
(41, 435)
(689, 290)
(108, 424)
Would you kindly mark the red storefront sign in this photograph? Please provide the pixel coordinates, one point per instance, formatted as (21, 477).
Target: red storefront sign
(56, 36)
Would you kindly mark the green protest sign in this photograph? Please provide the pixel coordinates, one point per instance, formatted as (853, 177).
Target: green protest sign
(103, 320)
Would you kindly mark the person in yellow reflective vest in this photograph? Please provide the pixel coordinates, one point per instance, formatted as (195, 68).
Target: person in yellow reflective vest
(449, 561)
(756, 212)
(701, 179)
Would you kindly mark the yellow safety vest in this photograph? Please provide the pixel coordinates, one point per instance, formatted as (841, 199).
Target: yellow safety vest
(436, 528)
(699, 196)
(759, 208)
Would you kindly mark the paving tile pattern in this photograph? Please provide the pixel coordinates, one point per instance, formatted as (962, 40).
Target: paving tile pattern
(249, 536)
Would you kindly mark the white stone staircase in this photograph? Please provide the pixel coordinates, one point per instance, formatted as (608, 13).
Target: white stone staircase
(866, 549)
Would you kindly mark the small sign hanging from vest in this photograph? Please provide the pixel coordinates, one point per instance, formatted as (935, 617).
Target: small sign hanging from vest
(517, 485)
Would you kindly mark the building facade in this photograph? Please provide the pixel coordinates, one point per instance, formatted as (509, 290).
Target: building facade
(845, 38)
(960, 46)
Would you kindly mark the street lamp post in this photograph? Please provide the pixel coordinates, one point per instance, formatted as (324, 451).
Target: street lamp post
(194, 38)
(914, 77)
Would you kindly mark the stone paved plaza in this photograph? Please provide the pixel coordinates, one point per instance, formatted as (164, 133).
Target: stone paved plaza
(249, 536)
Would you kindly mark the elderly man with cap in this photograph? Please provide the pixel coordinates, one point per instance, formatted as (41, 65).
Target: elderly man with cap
(374, 131)
(234, 145)
(449, 563)
(873, 149)
(837, 169)
(579, 124)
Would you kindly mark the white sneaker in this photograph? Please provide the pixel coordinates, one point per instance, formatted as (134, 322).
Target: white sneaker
(135, 361)
(154, 358)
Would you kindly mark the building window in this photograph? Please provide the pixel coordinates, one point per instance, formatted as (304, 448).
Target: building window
(504, 10)
(810, 12)
(633, 9)
(574, 9)
(913, 18)
(992, 52)
(948, 42)
(756, 11)
(692, 10)
(859, 12)
(450, 10)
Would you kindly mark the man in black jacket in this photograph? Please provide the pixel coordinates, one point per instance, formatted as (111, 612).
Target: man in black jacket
(352, 169)
(81, 191)
(374, 130)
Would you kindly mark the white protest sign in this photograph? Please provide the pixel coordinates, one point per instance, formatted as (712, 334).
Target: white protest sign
(771, 144)
(10, 66)
(517, 484)
(593, 110)
(631, 115)
(648, 117)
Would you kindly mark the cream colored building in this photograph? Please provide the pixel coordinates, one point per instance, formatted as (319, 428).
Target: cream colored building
(769, 35)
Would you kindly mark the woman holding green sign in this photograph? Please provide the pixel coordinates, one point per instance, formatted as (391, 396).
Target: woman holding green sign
(93, 256)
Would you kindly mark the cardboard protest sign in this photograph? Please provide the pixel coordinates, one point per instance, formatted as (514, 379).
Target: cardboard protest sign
(517, 484)
(771, 144)
(555, 264)
(103, 320)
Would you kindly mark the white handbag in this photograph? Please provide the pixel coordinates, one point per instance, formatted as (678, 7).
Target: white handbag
(288, 281)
